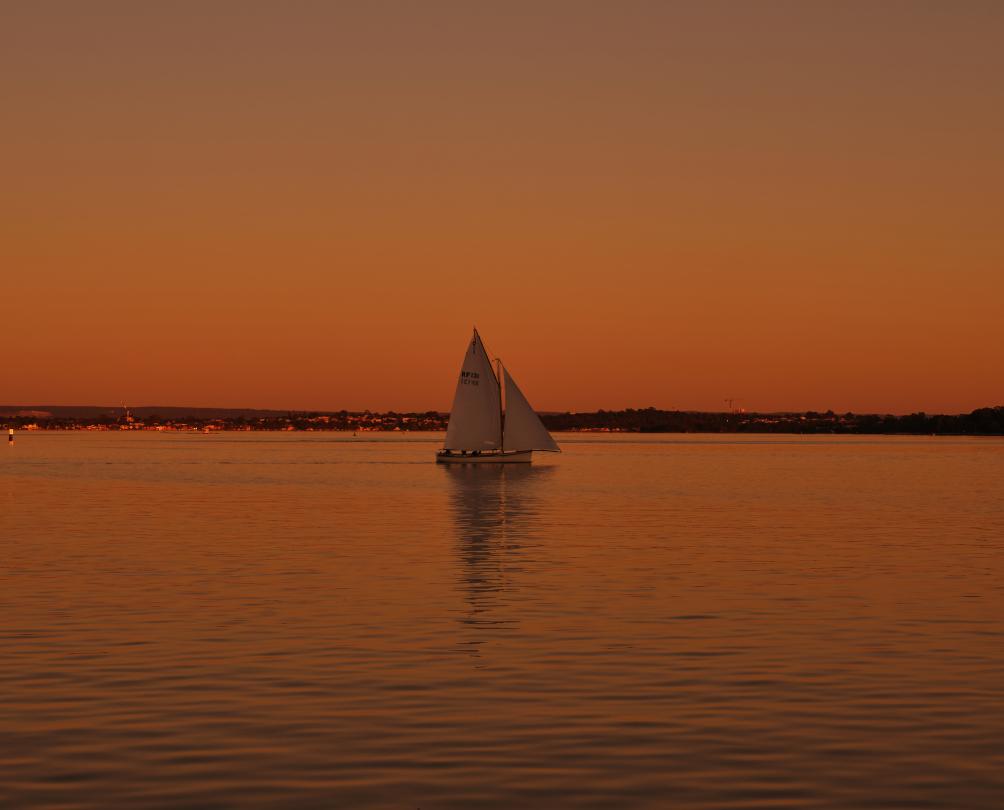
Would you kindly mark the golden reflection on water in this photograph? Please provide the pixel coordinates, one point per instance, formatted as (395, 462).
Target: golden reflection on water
(493, 510)
(274, 621)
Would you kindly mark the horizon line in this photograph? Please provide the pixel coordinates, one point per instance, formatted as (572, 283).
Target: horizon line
(9, 410)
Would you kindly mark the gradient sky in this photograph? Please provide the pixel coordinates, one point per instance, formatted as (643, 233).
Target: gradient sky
(308, 204)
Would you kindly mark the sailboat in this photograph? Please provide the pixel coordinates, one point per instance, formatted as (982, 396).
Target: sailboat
(479, 432)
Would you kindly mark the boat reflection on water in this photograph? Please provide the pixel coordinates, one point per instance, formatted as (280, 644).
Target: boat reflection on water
(496, 522)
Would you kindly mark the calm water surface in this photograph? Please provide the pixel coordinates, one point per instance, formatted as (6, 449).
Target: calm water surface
(268, 620)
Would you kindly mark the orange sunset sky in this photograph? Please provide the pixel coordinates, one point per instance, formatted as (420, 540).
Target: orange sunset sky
(308, 204)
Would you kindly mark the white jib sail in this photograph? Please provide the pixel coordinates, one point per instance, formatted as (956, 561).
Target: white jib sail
(523, 428)
(475, 418)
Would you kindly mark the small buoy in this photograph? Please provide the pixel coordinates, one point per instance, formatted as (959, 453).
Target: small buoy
(10, 437)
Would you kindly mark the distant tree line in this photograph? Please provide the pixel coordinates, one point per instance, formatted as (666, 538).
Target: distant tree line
(981, 422)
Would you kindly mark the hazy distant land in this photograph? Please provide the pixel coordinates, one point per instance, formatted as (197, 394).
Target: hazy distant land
(981, 422)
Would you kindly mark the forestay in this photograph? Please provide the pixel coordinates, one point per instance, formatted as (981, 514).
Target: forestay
(523, 428)
(475, 418)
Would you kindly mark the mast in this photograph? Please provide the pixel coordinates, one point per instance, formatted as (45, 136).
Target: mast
(498, 377)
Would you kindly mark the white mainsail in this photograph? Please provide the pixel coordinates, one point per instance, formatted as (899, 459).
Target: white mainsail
(476, 415)
(523, 428)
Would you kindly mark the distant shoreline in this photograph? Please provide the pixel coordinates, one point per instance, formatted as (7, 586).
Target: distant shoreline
(981, 422)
